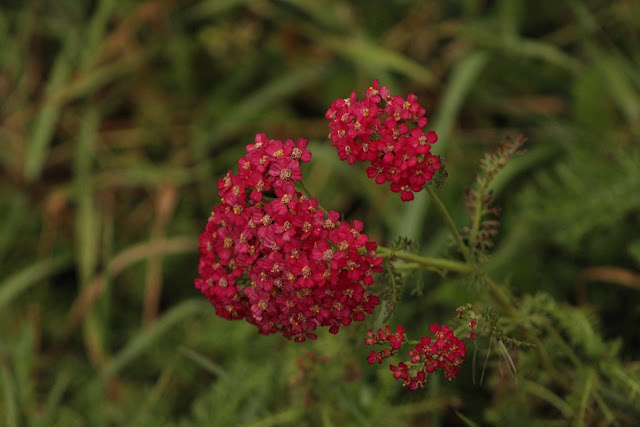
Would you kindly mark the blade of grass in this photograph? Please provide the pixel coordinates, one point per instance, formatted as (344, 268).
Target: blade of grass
(23, 361)
(466, 419)
(96, 31)
(9, 393)
(369, 54)
(166, 200)
(96, 78)
(124, 259)
(620, 88)
(45, 122)
(20, 282)
(60, 386)
(462, 79)
(205, 363)
(10, 222)
(87, 229)
(609, 415)
(522, 47)
(509, 12)
(144, 340)
(548, 396)
(86, 224)
(535, 49)
(353, 408)
(259, 101)
(148, 408)
(15, 50)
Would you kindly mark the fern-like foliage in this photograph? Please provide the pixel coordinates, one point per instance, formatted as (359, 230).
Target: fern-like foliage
(393, 281)
(495, 326)
(392, 291)
(573, 325)
(583, 195)
(588, 365)
(478, 199)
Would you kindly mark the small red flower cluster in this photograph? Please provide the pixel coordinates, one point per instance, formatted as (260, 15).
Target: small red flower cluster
(394, 339)
(303, 265)
(446, 351)
(473, 324)
(466, 312)
(390, 136)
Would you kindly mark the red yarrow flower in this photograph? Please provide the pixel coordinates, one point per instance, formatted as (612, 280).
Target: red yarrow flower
(280, 262)
(388, 132)
(394, 339)
(445, 351)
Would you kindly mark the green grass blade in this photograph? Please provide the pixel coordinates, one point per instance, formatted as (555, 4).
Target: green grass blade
(10, 222)
(10, 394)
(52, 405)
(87, 227)
(469, 422)
(96, 31)
(261, 100)
(205, 363)
(461, 83)
(45, 123)
(621, 88)
(371, 55)
(548, 396)
(145, 339)
(20, 282)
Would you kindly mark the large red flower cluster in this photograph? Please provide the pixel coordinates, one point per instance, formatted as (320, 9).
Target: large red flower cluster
(388, 132)
(271, 256)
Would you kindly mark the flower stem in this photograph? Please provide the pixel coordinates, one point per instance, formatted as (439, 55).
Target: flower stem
(449, 221)
(437, 263)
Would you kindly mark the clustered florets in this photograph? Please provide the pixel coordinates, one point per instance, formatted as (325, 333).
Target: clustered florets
(445, 352)
(270, 256)
(388, 132)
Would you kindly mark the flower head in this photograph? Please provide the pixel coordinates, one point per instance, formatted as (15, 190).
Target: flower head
(280, 262)
(387, 132)
(445, 352)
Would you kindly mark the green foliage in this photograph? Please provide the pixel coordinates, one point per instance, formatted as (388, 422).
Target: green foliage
(392, 284)
(585, 195)
(117, 117)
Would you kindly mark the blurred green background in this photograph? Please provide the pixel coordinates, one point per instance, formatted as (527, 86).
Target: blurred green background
(118, 117)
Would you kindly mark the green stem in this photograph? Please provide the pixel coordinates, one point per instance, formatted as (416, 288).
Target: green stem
(449, 221)
(438, 263)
